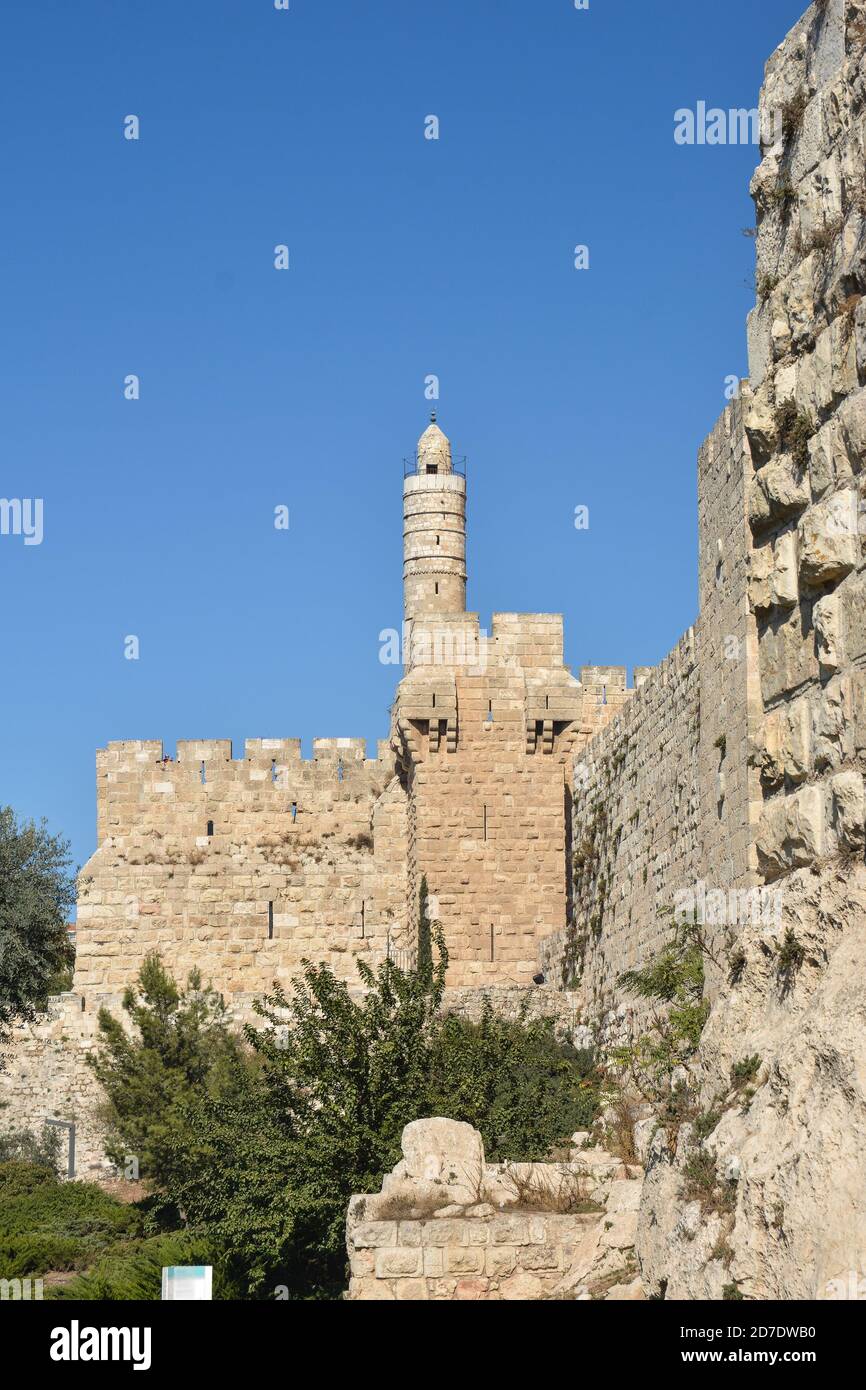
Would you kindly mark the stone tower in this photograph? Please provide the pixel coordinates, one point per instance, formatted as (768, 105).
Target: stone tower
(484, 727)
(434, 530)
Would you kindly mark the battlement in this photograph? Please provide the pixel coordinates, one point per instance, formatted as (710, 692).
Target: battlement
(136, 780)
(130, 754)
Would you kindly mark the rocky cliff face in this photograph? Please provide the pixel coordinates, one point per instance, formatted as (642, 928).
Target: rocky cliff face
(787, 1215)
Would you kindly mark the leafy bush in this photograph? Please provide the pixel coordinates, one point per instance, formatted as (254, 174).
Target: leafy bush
(745, 1071)
(790, 954)
(525, 1091)
(674, 979)
(794, 428)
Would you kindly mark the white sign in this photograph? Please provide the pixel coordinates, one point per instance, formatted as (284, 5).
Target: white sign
(188, 1282)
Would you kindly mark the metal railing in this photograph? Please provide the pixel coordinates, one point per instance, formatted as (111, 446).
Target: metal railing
(458, 466)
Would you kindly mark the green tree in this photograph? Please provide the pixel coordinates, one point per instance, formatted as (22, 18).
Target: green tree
(341, 1077)
(37, 893)
(179, 1046)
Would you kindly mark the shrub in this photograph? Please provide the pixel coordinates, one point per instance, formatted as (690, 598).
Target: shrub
(37, 893)
(134, 1271)
(765, 285)
(790, 956)
(745, 1071)
(675, 979)
(701, 1183)
(736, 966)
(46, 1224)
(705, 1123)
(793, 112)
(525, 1091)
(794, 429)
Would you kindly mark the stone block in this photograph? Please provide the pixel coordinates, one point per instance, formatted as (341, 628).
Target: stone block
(849, 808)
(447, 1232)
(471, 1290)
(509, 1230)
(787, 653)
(411, 1290)
(792, 831)
(500, 1260)
(827, 616)
(539, 1257)
(624, 1194)
(463, 1259)
(398, 1263)
(829, 540)
(522, 1286)
(374, 1234)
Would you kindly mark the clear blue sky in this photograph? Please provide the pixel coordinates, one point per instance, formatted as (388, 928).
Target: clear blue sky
(306, 387)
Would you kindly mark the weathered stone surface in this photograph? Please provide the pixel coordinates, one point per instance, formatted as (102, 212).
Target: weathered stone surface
(829, 541)
(445, 1152)
(850, 808)
(532, 1250)
(799, 1219)
(792, 831)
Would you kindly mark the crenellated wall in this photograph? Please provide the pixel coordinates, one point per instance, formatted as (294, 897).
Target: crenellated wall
(243, 866)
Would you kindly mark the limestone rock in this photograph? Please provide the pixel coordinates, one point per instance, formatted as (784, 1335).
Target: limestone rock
(829, 539)
(850, 808)
(446, 1152)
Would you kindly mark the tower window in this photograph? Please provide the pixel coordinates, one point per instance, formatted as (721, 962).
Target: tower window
(431, 468)
(491, 942)
(436, 586)
(294, 810)
(270, 921)
(485, 825)
(202, 773)
(210, 827)
(437, 540)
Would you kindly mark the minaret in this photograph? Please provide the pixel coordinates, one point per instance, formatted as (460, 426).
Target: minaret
(434, 530)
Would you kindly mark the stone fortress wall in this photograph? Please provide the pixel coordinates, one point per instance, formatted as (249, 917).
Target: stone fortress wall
(741, 758)
(555, 819)
(807, 496)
